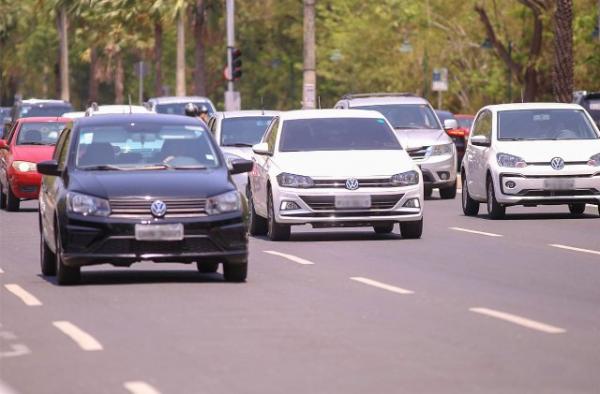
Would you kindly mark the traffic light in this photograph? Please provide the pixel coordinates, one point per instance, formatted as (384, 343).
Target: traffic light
(236, 60)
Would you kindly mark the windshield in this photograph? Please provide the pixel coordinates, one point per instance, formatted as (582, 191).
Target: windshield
(245, 131)
(39, 133)
(407, 116)
(30, 111)
(465, 122)
(179, 108)
(337, 134)
(544, 124)
(593, 107)
(145, 146)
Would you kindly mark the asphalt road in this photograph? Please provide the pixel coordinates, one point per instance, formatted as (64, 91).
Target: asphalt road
(475, 306)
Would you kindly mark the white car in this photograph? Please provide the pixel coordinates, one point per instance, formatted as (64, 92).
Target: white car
(175, 105)
(115, 109)
(236, 132)
(531, 154)
(331, 168)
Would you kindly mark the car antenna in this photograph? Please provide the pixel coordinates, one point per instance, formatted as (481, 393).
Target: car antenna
(130, 109)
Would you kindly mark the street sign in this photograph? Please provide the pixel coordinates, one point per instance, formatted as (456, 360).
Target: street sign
(439, 82)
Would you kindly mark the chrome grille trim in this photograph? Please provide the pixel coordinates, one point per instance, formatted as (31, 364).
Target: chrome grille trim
(327, 203)
(341, 183)
(137, 208)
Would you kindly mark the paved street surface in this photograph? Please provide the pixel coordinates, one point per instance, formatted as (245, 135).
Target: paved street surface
(475, 306)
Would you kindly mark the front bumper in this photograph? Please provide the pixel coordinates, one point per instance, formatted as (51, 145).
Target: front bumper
(438, 171)
(89, 241)
(25, 185)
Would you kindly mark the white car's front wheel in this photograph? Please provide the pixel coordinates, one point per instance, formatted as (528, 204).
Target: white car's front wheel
(495, 210)
(470, 207)
(276, 231)
(257, 225)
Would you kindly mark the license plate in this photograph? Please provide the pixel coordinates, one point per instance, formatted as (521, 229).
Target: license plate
(559, 184)
(350, 202)
(159, 232)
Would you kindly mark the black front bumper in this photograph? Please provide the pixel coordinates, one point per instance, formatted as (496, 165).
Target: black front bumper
(90, 241)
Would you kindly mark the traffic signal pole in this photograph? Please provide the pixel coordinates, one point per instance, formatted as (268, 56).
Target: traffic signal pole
(309, 86)
(232, 98)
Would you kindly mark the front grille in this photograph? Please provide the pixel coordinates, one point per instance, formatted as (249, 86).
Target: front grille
(327, 203)
(130, 246)
(558, 193)
(341, 183)
(418, 153)
(140, 208)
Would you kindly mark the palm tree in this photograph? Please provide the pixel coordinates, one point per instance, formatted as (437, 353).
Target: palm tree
(562, 76)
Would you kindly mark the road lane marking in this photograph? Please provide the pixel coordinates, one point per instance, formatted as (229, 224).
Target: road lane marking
(384, 286)
(521, 321)
(575, 249)
(17, 350)
(139, 387)
(82, 338)
(5, 389)
(466, 230)
(1, 271)
(25, 296)
(290, 257)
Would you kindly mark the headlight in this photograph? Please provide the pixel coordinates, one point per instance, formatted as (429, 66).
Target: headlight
(506, 160)
(595, 160)
(405, 178)
(438, 150)
(291, 180)
(24, 166)
(87, 205)
(226, 202)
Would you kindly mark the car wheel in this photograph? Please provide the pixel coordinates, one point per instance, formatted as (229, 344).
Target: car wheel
(12, 202)
(207, 268)
(411, 230)
(65, 275)
(276, 231)
(448, 193)
(428, 191)
(258, 225)
(235, 272)
(383, 228)
(47, 258)
(495, 210)
(2, 198)
(470, 207)
(577, 209)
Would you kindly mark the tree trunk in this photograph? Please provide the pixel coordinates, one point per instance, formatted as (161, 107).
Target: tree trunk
(309, 95)
(61, 22)
(93, 84)
(119, 79)
(180, 67)
(199, 49)
(562, 77)
(158, 41)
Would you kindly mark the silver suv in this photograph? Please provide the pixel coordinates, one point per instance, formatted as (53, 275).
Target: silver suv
(420, 132)
(175, 105)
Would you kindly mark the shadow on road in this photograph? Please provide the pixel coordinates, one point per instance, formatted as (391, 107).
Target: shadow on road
(338, 236)
(541, 216)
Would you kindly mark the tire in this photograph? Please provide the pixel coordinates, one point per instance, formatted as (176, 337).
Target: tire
(383, 228)
(235, 272)
(470, 207)
(428, 191)
(47, 258)
(577, 209)
(207, 268)
(494, 209)
(276, 231)
(12, 202)
(257, 225)
(2, 198)
(65, 275)
(448, 193)
(411, 230)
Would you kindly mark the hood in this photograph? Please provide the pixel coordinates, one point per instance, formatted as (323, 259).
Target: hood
(33, 153)
(418, 138)
(345, 164)
(158, 184)
(544, 151)
(243, 152)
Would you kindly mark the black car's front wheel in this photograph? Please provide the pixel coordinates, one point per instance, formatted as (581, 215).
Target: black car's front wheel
(65, 275)
(235, 272)
(12, 202)
(2, 198)
(577, 209)
(207, 267)
(47, 258)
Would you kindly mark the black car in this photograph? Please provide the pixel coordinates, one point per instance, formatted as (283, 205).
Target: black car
(591, 102)
(126, 188)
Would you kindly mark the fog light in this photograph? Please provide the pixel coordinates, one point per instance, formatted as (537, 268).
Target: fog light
(510, 184)
(444, 176)
(288, 206)
(412, 203)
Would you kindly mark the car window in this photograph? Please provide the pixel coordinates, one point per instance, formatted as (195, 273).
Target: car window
(28, 111)
(60, 153)
(244, 131)
(406, 116)
(545, 124)
(179, 108)
(483, 125)
(271, 136)
(11, 133)
(39, 133)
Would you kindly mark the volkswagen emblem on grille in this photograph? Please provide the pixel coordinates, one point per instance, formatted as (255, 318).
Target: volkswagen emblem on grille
(557, 163)
(352, 184)
(158, 209)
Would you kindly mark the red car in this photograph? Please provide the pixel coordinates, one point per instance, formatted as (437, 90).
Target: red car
(464, 123)
(30, 141)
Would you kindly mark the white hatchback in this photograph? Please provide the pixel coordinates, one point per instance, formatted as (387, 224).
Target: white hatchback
(332, 168)
(531, 154)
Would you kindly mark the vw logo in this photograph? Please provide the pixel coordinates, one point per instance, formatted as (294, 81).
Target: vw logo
(158, 209)
(352, 184)
(557, 163)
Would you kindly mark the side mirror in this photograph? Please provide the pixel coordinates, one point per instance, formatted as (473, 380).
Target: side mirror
(480, 140)
(240, 166)
(261, 149)
(49, 167)
(450, 124)
(3, 144)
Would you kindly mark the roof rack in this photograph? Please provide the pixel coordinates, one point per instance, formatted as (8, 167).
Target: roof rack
(380, 94)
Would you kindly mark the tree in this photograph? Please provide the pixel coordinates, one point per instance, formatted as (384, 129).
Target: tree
(200, 9)
(562, 76)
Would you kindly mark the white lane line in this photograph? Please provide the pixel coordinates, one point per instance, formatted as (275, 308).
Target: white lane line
(82, 338)
(575, 249)
(139, 387)
(466, 230)
(5, 389)
(290, 257)
(521, 321)
(384, 286)
(25, 296)
(1, 271)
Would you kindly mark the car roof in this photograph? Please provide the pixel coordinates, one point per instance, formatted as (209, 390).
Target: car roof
(383, 100)
(111, 119)
(526, 106)
(178, 99)
(45, 102)
(245, 113)
(37, 119)
(117, 108)
(329, 113)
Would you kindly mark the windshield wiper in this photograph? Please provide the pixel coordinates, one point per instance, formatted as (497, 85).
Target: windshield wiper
(240, 145)
(35, 143)
(412, 128)
(190, 167)
(102, 167)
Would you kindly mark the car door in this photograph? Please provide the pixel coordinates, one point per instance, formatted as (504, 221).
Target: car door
(6, 155)
(259, 177)
(477, 155)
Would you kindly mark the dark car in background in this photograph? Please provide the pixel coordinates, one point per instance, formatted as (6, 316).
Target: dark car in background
(38, 108)
(458, 135)
(591, 102)
(141, 187)
(4, 119)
